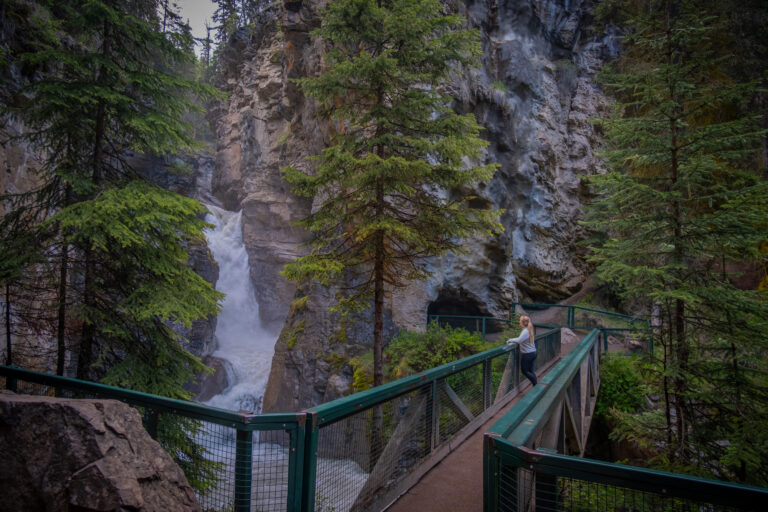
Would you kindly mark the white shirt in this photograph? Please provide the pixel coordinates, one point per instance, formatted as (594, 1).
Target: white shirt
(525, 342)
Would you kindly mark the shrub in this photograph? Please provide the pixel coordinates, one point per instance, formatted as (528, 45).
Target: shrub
(413, 352)
(621, 385)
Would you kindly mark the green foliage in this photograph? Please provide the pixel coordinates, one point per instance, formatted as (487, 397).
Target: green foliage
(293, 334)
(396, 145)
(362, 378)
(620, 385)
(413, 352)
(582, 496)
(104, 81)
(499, 85)
(683, 202)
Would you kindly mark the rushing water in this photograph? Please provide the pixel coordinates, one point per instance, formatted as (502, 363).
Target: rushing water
(242, 341)
(247, 349)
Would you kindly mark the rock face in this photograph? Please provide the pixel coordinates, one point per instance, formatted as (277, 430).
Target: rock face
(533, 93)
(86, 455)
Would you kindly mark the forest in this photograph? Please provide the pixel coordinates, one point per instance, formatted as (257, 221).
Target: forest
(95, 248)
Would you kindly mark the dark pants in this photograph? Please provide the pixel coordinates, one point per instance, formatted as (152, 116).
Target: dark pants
(526, 365)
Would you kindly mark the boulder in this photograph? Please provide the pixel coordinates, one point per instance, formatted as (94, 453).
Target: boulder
(84, 455)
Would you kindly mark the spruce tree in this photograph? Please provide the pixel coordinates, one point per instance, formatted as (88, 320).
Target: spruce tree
(103, 86)
(391, 186)
(682, 205)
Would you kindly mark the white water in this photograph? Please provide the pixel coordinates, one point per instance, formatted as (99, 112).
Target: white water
(247, 348)
(242, 341)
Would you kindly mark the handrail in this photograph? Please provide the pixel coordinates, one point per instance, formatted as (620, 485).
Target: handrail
(511, 457)
(239, 420)
(662, 483)
(294, 424)
(520, 421)
(346, 406)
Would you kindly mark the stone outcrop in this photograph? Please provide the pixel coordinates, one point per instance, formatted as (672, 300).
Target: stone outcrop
(86, 455)
(265, 126)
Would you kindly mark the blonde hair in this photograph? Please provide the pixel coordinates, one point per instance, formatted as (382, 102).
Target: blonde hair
(525, 320)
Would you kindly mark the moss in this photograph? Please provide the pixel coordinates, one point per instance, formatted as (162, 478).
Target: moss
(336, 361)
(275, 56)
(299, 304)
(294, 335)
(501, 86)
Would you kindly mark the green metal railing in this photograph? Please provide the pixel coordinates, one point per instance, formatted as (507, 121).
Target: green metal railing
(482, 324)
(253, 475)
(406, 426)
(360, 452)
(330, 457)
(572, 317)
(523, 471)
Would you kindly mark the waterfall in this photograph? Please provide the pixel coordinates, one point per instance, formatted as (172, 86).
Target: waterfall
(242, 341)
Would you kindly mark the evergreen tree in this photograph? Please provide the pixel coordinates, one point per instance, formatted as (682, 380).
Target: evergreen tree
(227, 19)
(103, 86)
(391, 185)
(682, 205)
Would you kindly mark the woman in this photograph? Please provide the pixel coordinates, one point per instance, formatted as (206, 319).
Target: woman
(527, 348)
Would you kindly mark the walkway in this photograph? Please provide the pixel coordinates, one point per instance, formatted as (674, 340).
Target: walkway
(456, 483)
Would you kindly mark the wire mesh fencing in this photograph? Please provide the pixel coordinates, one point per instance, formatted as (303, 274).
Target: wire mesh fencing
(235, 463)
(525, 490)
(371, 446)
(523, 470)
(364, 455)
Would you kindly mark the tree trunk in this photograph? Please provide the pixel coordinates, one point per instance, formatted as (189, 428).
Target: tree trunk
(84, 360)
(8, 354)
(62, 312)
(378, 331)
(62, 298)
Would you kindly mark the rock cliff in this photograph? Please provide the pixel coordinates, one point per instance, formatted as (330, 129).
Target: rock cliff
(534, 94)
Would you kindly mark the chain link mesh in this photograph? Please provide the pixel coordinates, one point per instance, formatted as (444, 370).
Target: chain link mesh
(366, 454)
(522, 490)
(222, 483)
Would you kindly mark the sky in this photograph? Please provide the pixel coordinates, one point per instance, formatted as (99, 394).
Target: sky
(197, 11)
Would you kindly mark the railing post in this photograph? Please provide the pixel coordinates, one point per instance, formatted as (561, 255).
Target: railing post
(487, 384)
(490, 475)
(483, 328)
(296, 459)
(309, 469)
(432, 417)
(243, 470)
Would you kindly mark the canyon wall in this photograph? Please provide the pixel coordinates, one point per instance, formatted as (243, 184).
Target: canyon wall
(534, 94)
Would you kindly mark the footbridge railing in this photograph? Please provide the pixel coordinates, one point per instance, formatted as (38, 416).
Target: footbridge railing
(372, 446)
(356, 453)
(531, 456)
(558, 315)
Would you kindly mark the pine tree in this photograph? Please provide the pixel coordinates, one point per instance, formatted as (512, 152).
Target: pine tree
(104, 86)
(391, 186)
(684, 202)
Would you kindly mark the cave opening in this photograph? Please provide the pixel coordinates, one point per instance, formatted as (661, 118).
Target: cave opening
(458, 309)
(455, 303)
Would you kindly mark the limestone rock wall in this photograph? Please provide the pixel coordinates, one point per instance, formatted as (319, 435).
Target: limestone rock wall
(534, 94)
